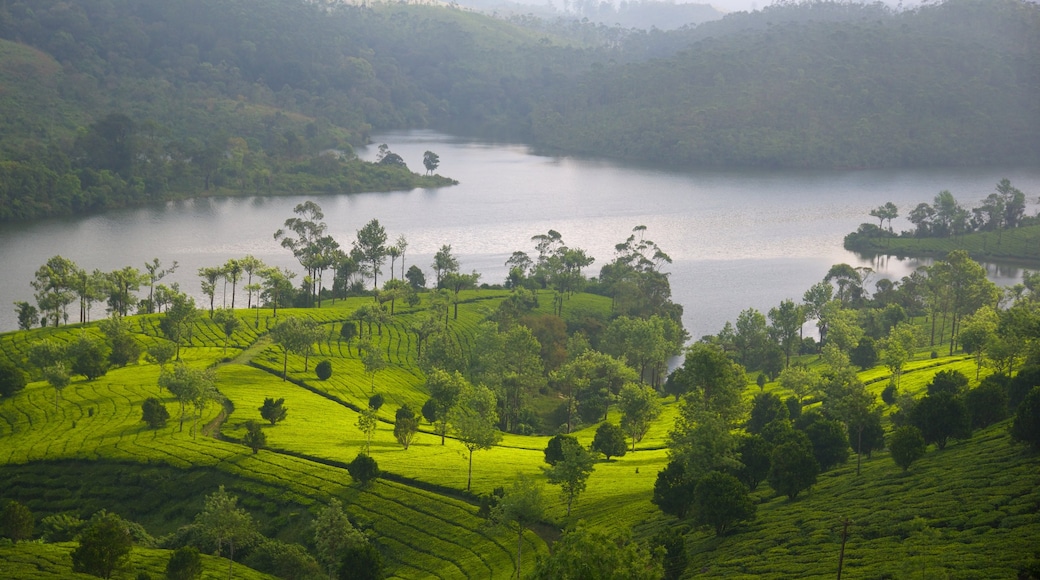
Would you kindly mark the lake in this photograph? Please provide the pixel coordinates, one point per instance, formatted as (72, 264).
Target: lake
(738, 239)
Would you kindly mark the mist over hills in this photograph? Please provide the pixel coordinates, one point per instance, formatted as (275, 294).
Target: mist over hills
(795, 84)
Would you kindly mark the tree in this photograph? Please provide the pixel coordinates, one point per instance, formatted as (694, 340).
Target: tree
(430, 161)
(457, 282)
(185, 564)
(124, 349)
(88, 356)
(154, 413)
(12, 379)
(323, 370)
(104, 546)
(906, 444)
(373, 361)
(793, 468)
(178, 323)
(713, 380)
(222, 521)
(444, 389)
(473, 419)
(1026, 426)
(57, 375)
(228, 323)
(405, 426)
(309, 229)
(28, 315)
(586, 553)
(363, 469)
(941, 417)
(673, 489)
(765, 408)
(16, 521)
(830, 444)
(609, 440)
(947, 382)
(53, 284)
(520, 506)
(255, 438)
(639, 408)
(155, 272)
(273, 410)
(720, 501)
(334, 535)
(754, 453)
(297, 336)
(786, 326)
(443, 263)
(571, 472)
(415, 277)
(187, 384)
(371, 248)
(889, 212)
(988, 402)
(361, 562)
(367, 423)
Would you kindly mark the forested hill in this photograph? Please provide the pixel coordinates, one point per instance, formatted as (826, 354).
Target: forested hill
(822, 85)
(250, 96)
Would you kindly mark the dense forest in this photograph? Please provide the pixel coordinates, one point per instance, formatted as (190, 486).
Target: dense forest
(269, 96)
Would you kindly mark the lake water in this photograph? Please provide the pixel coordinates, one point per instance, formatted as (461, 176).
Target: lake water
(738, 239)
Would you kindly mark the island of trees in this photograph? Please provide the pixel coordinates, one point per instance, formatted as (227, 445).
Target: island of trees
(997, 229)
(375, 416)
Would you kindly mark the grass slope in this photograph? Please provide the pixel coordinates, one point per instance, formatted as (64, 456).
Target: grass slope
(32, 561)
(981, 516)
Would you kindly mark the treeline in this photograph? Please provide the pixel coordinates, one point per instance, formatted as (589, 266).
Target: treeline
(247, 99)
(722, 449)
(819, 84)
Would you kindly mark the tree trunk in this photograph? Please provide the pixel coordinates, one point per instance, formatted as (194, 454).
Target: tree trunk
(469, 477)
(519, 544)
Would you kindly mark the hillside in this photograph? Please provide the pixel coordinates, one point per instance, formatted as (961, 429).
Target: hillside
(130, 102)
(969, 509)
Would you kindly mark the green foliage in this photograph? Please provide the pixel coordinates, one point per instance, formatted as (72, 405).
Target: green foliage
(571, 472)
(587, 553)
(765, 408)
(754, 453)
(12, 379)
(154, 413)
(361, 561)
(792, 469)
(639, 408)
(16, 521)
(222, 521)
(519, 507)
(323, 370)
(830, 444)
(988, 402)
(363, 469)
(334, 535)
(941, 417)
(104, 546)
(673, 490)
(405, 426)
(254, 438)
(906, 445)
(609, 440)
(1026, 426)
(554, 450)
(88, 356)
(283, 560)
(950, 382)
(273, 410)
(185, 564)
(721, 501)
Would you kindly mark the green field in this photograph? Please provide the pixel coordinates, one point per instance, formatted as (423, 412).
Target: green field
(1018, 245)
(976, 522)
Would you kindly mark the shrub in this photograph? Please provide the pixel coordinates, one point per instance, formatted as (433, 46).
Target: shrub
(255, 438)
(720, 501)
(376, 401)
(906, 446)
(554, 449)
(889, 394)
(12, 379)
(16, 521)
(185, 564)
(323, 370)
(1026, 427)
(154, 412)
(273, 411)
(610, 441)
(363, 562)
(951, 382)
(363, 469)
